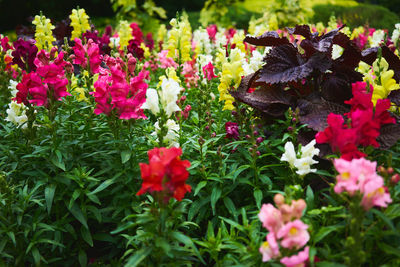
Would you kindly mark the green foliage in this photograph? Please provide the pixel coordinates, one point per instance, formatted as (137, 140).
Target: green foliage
(364, 14)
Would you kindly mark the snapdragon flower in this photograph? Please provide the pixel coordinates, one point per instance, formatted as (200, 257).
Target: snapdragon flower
(43, 32)
(16, 113)
(302, 164)
(79, 22)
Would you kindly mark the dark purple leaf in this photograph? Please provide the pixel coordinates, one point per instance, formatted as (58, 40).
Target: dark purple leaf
(389, 135)
(394, 97)
(314, 112)
(303, 30)
(285, 64)
(267, 39)
(269, 99)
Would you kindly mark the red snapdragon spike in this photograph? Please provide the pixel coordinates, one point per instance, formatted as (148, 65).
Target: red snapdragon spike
(165, 172)
(232, 130)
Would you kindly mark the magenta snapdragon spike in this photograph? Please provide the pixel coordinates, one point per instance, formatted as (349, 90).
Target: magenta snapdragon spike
(232, 130)
(113, 91)
(90, 50)
(49, 76)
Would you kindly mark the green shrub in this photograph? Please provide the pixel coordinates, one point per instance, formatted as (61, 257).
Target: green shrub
(374, 16)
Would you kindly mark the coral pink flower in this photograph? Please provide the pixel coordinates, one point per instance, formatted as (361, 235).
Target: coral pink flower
(294, 234)
(270, 217)
(269, 249)
(298, 260)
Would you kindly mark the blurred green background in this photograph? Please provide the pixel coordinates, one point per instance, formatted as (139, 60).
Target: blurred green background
(375, 13)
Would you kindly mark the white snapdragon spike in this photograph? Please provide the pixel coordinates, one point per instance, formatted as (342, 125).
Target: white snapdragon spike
(220, 38)
(337, 51)
(172, 133)
(169, 95)
(376, 38)
(289, 155)
(202, 41)
(13, 87)
(151, 101)
(114, 42)
(396, 34)
(309, 150)
(16, 113)
(255, 63)
(302, 164)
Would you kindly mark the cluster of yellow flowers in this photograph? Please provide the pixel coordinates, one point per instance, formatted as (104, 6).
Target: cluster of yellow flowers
(79, 22)
(43, 34)
(380, 77)
(231, 76)
(179, 38)
(124, 34)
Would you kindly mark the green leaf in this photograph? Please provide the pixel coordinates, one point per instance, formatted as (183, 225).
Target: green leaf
(125, 156)
(215, 195)
(230, 206)
(239, 171)
(82, 258)
(329, 264)
(258, 195)
(57, 163)
(199, 187)
(102, 186)
(49, 196)
(309, 198)
(187, 241)
(76, 211)
(323, 232)
(36, 256)
(385, 219)
(138, 257)
(87, 236)
(12, 237)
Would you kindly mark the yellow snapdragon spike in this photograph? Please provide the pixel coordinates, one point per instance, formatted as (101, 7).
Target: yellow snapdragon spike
(124, 34)
(146, 50)
(79, 92)
(43, 33)
(79, 22)
(273, 23)
(161, 33)
(179, 39)
(238, 41)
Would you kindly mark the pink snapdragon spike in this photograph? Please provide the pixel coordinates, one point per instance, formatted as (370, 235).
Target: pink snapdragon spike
(208, 71)
(359, 175)
(166, 62)
(212, 31)
(269, 249)
(270, 217)
(83, 52)
(113, 91)
(294, 234)
(49, 76)
(298, 260)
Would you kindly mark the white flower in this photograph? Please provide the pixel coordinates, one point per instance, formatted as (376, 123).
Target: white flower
(169, 95)
(302, 164)
(151, 101)
(202, 41)
(376, 38)
(220, 38)
(255, 63)
(172, 133)
(289, 155)
(114, 42)
(309, 150)
(13, 87)
(396, 34)
(16, 113)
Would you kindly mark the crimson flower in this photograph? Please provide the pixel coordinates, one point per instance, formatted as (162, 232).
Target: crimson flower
(232, 130)
(165, 173)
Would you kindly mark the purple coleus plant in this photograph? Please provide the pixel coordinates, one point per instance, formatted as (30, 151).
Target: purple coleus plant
(303, 75)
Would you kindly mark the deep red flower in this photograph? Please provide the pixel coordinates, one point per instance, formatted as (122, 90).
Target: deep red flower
(232, 130)
(166, 173)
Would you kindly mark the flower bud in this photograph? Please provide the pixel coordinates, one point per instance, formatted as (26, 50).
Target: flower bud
(279, 199)
(213, 134)
(290, 129)
(258, 153)
(259, 140)
(390, 170)
(255, 133)
(247, 136)
(201, 140)
(234, 113)
(207, 128)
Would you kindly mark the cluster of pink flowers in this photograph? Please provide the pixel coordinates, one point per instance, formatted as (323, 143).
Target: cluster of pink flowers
(359, 177)
(286, 230)
(47, 83)
(118, 88)
(88, 52)
(364, 126)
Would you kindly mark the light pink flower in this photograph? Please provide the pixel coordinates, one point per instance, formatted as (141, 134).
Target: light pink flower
(269, 249)
(270, 217)
(375, 194)
(351, 173)
(166, 62)
(294, 234)
(298, 260)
